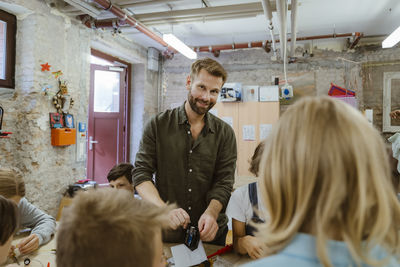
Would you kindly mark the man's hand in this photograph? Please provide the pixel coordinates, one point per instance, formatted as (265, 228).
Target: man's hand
(395, 114)
(208, 227)
(253, 247)
(178, 217)
(28, 244)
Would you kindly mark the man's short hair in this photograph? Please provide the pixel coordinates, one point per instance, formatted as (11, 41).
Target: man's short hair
(211, 66)
(8, 219)
(105, 228)
(122, 169)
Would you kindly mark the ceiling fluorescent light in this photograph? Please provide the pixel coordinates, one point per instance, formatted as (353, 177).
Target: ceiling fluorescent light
(84, 7)
(392, 39)
(179, 46)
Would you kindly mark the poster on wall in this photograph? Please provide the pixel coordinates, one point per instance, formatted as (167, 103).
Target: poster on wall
(250, 93)
(249, 133)
(269, 93)
(265, 130)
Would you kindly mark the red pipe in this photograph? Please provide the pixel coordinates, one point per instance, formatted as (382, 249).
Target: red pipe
(107, 5)
(262, 44)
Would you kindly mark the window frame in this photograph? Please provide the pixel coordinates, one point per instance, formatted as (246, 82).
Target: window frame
(11, 20)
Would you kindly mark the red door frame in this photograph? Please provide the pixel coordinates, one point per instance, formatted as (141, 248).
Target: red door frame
(127, 100)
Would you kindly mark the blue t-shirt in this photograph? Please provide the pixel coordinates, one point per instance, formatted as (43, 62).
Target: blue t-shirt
(302, 252)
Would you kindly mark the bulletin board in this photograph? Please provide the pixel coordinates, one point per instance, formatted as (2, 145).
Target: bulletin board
(246, 119)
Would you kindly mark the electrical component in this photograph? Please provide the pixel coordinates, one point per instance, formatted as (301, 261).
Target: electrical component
(287, 91)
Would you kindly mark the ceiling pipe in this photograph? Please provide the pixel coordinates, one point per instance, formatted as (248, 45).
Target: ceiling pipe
(356, 38)
(213, 48)
(282, 12)
(293, 27)
(268, 14)
(108, 6)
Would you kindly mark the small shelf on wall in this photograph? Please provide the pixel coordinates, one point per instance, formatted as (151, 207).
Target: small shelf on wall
(63, 136)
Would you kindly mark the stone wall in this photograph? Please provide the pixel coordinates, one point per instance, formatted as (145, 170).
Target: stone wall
(45, 35)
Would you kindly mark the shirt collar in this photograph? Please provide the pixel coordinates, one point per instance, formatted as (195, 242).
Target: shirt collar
(208, 119)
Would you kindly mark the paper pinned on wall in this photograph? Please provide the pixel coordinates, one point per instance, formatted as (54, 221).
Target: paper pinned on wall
(264, 130)
(269, 93)
(183, 256)
(249, 132)
(214, 111)
(228, 120)
(250, 93)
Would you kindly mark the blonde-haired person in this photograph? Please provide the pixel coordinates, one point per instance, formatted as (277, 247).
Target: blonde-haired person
(8, 226)
(12, 186)
(243, 208)
(106, 228)
(326, 185)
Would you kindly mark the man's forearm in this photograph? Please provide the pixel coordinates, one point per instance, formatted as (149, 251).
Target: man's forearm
(149, 192)
(214, 208)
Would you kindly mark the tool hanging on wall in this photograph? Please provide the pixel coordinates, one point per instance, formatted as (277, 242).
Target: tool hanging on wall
(3, 134)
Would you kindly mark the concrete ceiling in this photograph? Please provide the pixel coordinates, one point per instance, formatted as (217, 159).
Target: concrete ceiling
(212, 22)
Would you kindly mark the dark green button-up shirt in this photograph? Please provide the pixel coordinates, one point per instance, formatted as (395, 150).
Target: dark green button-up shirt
(189, 173)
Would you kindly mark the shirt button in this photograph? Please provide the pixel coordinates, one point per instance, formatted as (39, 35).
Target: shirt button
(190, 189)
(190, 151)
(189, 208)
(190, 170)
(188, 132)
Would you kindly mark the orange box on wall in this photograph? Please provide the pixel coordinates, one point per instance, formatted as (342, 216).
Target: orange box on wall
(63, 136)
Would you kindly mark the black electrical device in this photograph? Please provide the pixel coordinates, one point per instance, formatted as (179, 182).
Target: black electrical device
(192, 237)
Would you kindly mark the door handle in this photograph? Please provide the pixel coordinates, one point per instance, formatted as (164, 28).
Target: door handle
(91, 142)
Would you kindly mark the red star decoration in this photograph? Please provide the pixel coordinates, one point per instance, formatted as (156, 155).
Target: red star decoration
(45, 67)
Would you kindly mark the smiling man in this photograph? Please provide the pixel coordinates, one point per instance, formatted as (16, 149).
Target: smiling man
(193, 156)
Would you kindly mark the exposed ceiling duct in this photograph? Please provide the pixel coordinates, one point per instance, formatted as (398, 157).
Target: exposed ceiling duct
(281, 7)
(107, 5)
(215, 48)
(293, 27)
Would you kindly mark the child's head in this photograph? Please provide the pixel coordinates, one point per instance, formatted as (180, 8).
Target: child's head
(12, 185)
(325, 171)
(106, 228)
(120, 176)
(8, 225)
(256, 158)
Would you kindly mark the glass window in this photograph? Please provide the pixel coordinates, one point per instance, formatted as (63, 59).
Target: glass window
(106, 91)
(8, 26)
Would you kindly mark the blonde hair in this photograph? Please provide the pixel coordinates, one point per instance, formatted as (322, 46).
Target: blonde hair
(11, 183)
(211, 66)
(325, 171)
(108, 227)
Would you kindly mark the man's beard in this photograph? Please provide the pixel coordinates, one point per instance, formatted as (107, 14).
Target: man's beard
(195, 108)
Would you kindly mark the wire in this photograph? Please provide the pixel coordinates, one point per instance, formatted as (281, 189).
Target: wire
(285, 46)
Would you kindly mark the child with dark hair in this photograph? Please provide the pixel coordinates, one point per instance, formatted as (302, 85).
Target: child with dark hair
(8, 226)
(120, 176)
(243, 208)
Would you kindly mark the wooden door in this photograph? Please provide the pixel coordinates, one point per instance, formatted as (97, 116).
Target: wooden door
(107, 121)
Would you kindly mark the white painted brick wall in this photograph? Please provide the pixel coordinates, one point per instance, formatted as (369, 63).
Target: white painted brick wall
(45, 36)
